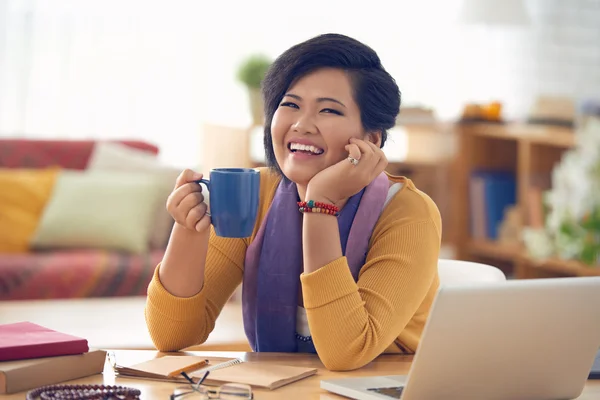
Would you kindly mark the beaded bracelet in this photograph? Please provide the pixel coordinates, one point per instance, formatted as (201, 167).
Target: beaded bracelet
(318, 207)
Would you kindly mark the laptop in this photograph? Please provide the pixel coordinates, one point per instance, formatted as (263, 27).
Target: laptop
(595, 371)
(518, 339)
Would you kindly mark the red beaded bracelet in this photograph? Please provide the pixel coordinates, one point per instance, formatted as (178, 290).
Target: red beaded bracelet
(318, 207)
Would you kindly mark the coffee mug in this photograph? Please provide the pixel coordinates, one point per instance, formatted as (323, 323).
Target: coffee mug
(233, 200)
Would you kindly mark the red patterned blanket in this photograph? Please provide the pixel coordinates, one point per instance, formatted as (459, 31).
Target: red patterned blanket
(76, 274)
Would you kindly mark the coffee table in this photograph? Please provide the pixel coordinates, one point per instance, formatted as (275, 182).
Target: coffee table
(117, 322)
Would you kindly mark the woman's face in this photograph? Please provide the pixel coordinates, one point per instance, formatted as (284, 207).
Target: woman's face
(313, 123)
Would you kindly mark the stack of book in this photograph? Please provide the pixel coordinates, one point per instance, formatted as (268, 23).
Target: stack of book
(32, 356)
(491, 195)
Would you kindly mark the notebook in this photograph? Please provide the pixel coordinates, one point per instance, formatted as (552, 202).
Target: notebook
(23, 340)
(222, 370)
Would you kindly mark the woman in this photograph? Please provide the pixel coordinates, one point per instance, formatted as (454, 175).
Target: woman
(350, 282)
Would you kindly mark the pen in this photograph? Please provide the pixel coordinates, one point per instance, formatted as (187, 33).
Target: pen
(189, 368)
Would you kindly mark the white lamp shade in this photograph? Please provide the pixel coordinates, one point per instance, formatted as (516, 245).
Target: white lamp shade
(494, 12)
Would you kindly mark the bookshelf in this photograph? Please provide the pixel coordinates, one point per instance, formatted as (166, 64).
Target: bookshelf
(490, 248)
(530, 152)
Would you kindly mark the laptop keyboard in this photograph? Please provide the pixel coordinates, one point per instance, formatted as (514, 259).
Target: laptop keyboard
(391, 392)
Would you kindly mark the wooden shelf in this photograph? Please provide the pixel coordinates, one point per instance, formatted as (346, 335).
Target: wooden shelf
(516, 253)
(491, 249)
(563, 267)
(535, 134)
(531, 152)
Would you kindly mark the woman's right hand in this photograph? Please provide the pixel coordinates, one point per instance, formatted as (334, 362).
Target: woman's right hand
(186, 203)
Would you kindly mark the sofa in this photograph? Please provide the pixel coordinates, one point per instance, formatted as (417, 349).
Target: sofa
(57, 201)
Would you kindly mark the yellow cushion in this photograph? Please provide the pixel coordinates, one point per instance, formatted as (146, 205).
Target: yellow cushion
(23, 197)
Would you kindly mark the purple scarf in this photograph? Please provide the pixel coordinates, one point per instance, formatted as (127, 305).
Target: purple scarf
(274, 261)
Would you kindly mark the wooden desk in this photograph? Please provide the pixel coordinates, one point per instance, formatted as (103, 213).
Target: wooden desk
(304, 389)
(118, 322)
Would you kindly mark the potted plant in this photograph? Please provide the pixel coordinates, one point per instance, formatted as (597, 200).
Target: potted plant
(251, 73)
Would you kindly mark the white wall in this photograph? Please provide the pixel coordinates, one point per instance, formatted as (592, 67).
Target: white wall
(435, 60)
(561, 52)
(411, 40)
(158, 70)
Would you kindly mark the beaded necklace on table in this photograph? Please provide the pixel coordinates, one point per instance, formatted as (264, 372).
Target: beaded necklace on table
(84, 392)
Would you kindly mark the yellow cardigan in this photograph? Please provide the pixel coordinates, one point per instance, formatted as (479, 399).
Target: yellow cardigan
(351, 322)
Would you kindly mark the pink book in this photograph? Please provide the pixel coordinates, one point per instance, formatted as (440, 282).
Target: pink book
(24, 340)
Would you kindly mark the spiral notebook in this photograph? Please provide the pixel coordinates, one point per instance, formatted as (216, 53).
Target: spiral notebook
(221, 370)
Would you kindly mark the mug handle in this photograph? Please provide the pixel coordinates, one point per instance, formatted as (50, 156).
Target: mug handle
(207, 183)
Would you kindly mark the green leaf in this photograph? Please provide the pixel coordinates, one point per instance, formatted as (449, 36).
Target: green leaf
(592, 222)
(589, 254)
(568, 229)
(252, 71)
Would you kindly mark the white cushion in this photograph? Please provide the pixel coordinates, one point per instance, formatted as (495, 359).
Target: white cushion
(110, 156)
(101, 210)
(117, 156)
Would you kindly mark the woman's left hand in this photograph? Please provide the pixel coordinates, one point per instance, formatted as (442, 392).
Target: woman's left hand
(344, 179)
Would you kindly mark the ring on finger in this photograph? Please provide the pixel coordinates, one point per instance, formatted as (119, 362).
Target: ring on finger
(353, 160)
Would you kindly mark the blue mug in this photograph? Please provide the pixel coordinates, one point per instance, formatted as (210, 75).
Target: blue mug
(233, 200)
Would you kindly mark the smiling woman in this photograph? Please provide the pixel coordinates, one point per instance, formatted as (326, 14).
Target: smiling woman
(317, 112)
(343, 258)
(336, 81)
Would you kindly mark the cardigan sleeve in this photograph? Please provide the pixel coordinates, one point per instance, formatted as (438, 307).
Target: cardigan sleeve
(175, 322)
(351, 322)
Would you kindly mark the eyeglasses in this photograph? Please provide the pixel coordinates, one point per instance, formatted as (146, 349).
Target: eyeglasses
(197, 391)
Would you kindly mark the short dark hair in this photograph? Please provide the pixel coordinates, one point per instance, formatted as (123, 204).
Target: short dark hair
(375, 91)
